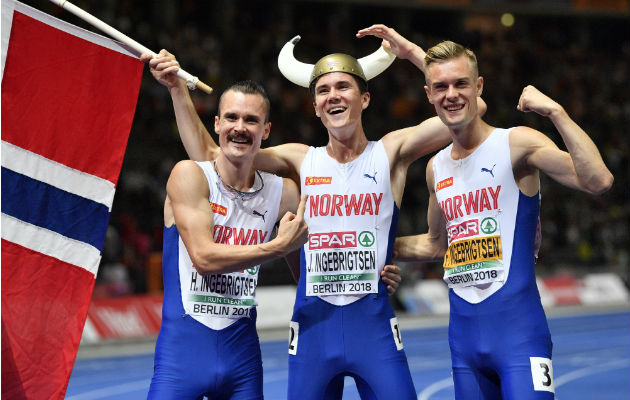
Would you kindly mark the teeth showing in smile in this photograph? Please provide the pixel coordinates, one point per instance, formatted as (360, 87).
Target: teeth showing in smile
(455, 107)
(336, 110)
(240, 138)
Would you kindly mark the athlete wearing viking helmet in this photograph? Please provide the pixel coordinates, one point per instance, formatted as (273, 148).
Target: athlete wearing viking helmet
(343, 323)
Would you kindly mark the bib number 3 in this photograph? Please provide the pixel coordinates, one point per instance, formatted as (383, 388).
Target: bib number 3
(542, 374)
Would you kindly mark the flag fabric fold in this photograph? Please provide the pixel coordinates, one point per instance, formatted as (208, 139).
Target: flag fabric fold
(68, 100)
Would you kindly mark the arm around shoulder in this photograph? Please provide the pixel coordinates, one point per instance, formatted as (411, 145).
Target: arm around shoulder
(284, 160)
(429, 246)
(290, 204)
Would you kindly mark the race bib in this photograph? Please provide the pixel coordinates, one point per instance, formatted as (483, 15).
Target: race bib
(341, 263)
(542, 374)
(474, 255)
(223, 295)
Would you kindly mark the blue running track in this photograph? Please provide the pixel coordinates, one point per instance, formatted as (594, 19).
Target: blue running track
(591, 361)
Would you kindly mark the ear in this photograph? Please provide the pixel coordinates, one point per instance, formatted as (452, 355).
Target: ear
(428, 92)
(315, 108)
(267, 131)
(216, 124)
(365, 100)
(479, 86)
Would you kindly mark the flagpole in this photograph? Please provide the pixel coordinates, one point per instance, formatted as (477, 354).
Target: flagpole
(191, 81)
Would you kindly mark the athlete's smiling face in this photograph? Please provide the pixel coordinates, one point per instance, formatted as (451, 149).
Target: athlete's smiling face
(241, 123)
(338, 100)
(453, 87)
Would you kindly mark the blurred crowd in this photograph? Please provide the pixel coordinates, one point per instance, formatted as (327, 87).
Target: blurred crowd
(581, 61)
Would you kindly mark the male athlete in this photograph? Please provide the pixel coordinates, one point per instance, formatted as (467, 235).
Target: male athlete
(343, 323)
(483, 214)
(218, 219)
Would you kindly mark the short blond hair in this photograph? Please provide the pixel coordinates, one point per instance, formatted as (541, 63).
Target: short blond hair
(447, 50)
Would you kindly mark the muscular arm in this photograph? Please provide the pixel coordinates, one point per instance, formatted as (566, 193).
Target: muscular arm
(195, 137)
(429, 246)
(197, 140)
(411, 143)
(289, 204)
(580, 168)
(408, 144)
(188, 192)
(283, 160)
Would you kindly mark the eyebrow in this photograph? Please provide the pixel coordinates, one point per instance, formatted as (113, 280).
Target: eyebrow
(247, 117)
(339, 82)
(458, 80)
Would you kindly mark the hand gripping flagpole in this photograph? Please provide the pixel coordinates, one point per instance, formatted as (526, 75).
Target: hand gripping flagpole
(191, 81)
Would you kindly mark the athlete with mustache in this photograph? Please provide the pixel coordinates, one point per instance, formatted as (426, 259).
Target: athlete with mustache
(343, 323)
(218, 219)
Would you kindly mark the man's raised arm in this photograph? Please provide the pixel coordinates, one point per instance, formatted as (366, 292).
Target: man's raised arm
(283, 160)
(409, 144)
(581, 168)
(195, 137)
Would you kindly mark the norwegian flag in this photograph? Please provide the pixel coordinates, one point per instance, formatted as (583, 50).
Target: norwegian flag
(68, 100)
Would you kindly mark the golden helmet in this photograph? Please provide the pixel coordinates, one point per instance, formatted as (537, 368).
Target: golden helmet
(304, 74)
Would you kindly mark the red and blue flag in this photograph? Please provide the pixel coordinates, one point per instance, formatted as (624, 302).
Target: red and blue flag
(68, 100)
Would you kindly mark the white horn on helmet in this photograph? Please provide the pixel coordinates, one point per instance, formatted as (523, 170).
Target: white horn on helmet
(292, 69)
(303, 74)
(376, 62)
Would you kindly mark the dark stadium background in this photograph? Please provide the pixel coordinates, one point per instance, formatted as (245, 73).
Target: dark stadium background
(576, 51)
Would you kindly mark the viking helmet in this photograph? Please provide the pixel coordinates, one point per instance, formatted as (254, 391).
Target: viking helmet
(304, 74)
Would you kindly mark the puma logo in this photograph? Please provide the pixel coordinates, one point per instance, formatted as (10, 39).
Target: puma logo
(260, 215)
(372, 177)
(489, 170)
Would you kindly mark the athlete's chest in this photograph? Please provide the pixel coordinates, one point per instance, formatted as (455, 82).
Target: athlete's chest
(475, 185)
(239, 222)
(351, 190)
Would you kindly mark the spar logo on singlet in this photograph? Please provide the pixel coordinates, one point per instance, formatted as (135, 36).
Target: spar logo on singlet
(218, 209)
(332, 240)
(317, 180)
(465, 229)
(444, 184)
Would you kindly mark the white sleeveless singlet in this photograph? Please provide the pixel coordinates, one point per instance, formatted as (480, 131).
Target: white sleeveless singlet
(218, 300)
(349, 216)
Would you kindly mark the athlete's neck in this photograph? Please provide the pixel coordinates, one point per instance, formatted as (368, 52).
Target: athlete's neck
(345, 149)
(466, 139)
(239, 176)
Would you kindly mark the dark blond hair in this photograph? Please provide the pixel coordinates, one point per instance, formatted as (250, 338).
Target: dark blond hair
(448, 50)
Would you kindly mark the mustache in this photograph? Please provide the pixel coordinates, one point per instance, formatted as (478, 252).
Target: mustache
(240, 137)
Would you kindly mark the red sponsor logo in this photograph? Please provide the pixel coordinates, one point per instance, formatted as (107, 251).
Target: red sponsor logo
(444, 184)
(336, 204)
(218, 209)
(332, 240)
(317, 180)
(470, 203)
(463, 230)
